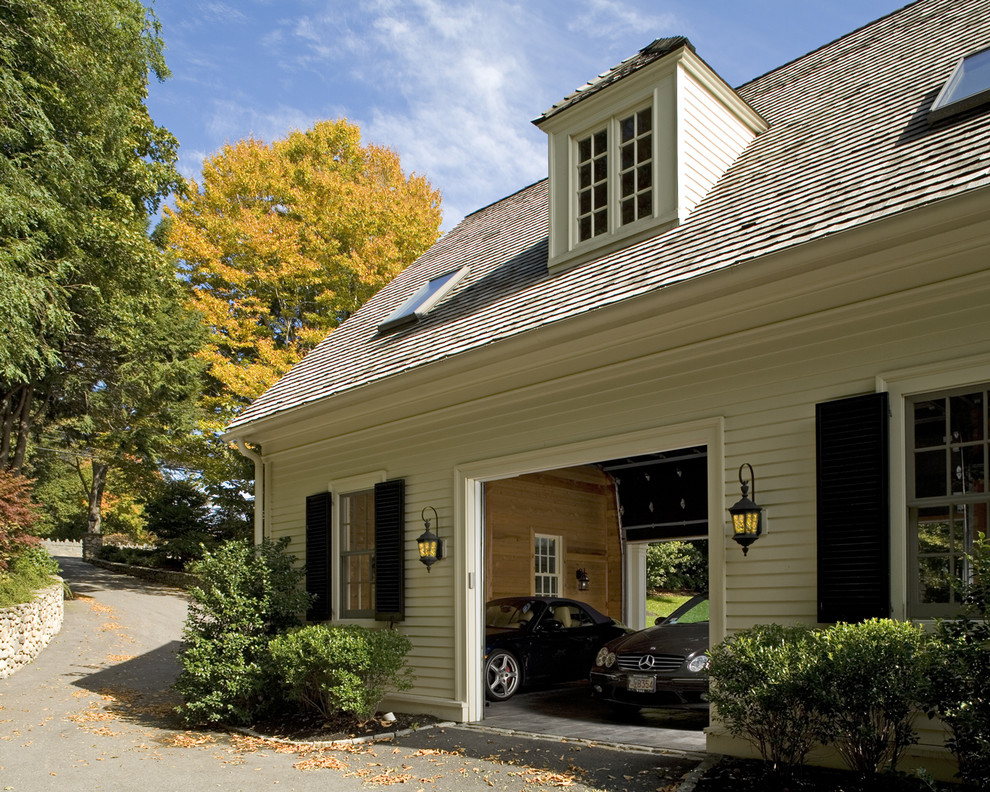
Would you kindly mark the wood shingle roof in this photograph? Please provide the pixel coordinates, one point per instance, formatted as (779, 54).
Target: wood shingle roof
(848, 143)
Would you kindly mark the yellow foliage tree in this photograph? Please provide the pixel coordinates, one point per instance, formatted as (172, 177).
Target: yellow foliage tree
(281, 242)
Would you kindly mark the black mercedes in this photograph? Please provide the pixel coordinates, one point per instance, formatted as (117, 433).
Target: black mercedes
(661, 666)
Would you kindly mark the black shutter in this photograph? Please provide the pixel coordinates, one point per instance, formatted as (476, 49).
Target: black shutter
(319, 509)
(390, 507)
(853, 509)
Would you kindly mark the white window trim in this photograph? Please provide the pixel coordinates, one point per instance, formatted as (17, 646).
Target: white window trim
(338, 488)
(900, 384)
(559, 554)
(616, 231)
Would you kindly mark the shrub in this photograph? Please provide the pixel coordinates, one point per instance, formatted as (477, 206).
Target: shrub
(31, 569)
(960, 694)
(337, 670)
(869, 687)
(763, 683)
(18, 514)
(677, 565)
(178, 515)
(249, 595)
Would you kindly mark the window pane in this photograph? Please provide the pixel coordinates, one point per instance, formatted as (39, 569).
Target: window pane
(628, 184)
(935, 580)
(967, 469)
(929, 474)
(584, 176)
(584, 149)
(601, 195)
(933, 531)
(601, 142)
(628, 155)
(929, 423)
(644, 120)
(643, 149)
(644, 176)
(627, 128)
(628, 210)
(601, 169)
(584, 228)
(966, 417)
(601, 222)
(584, 202)
(645, 202)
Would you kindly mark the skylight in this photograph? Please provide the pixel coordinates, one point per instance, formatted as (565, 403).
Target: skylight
(420, 304)
(968, 87)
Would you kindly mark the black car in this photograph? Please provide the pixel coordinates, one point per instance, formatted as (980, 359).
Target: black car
(661, 666)
(541, 639)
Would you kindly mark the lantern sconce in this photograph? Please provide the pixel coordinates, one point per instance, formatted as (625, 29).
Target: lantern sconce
(430, 545)
(582, 580)
(747, 515)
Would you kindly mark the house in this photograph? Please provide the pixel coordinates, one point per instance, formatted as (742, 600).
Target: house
(792, 275)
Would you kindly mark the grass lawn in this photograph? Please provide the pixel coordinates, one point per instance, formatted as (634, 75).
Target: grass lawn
(663, 604)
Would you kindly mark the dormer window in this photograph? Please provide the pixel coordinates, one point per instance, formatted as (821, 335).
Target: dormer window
(619, 175)
(423, 300)
(967, 87)
(635, 150)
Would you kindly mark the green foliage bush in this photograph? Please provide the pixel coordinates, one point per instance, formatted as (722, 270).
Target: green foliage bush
(677, 566)
(960, 693)
(249, 595)
(343, 669)
(31, 569)
(763, 684)
(858, 686)
(870, 681)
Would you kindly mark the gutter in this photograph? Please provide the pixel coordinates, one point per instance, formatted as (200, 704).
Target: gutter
(259, 487)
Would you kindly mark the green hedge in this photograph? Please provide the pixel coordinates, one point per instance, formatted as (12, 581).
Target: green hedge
(341, 670)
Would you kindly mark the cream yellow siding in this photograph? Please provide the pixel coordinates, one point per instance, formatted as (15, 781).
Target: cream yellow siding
(755, 355)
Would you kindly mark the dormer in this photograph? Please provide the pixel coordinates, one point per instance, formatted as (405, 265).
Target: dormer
(635, 150)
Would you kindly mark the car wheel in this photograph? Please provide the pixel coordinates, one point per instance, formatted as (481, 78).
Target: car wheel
(503, 675)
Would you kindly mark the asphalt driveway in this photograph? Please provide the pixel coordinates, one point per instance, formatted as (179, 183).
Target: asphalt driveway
(94, 712)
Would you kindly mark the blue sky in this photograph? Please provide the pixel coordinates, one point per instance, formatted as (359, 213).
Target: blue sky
(451, 85)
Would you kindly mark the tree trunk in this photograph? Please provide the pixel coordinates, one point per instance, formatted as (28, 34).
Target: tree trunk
(15, 423)
(93, 540)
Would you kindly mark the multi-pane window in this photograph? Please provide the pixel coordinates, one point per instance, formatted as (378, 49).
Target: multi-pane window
(357, 554)
(615, 169)
(947, 494)
(546, 563)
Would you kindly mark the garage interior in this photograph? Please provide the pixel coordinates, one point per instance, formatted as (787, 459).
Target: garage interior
(546, 531)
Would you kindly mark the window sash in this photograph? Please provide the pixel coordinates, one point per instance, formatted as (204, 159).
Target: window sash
(546, 565)
(614, 174)
(357, 554)
(948, 505)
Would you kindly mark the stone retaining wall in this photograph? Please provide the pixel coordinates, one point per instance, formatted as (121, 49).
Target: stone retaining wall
(163, 576)
(26, 629)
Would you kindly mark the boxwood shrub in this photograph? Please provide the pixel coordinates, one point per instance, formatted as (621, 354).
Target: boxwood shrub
(338, 670)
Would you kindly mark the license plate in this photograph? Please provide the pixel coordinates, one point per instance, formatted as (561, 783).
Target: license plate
(642, 684)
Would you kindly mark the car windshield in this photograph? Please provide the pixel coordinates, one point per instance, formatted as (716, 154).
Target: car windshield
(511, 614)
(691, 612)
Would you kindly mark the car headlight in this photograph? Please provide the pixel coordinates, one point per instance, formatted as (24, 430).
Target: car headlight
(605, 658)
(699, 663)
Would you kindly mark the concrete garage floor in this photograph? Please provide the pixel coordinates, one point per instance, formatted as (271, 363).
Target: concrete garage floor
(571, 712)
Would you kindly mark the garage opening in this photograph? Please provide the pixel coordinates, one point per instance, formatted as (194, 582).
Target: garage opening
(581, 534)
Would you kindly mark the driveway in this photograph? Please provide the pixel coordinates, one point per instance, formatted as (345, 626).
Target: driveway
(94, 712)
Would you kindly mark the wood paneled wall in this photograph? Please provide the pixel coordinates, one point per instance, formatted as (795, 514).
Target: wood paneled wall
(576, 504)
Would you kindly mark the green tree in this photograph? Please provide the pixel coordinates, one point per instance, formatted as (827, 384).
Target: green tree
(81, 166)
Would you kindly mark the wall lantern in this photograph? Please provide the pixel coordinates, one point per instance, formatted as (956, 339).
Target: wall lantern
(747, 515)
(430, 545)
(582, 580)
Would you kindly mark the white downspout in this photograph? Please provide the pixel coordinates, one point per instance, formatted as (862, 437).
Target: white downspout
(259, 488)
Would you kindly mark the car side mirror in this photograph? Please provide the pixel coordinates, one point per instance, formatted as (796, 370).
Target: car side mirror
(658, 620)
